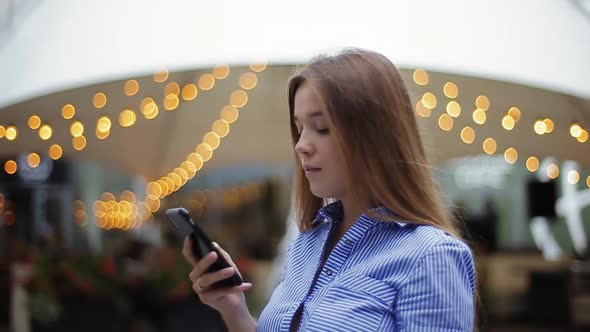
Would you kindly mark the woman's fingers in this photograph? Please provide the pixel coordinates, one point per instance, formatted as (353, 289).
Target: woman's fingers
(201, 266)
(227, 257)
(202, 280)
(224, 253)
(214, 294)
(209, 279)
(187, 251)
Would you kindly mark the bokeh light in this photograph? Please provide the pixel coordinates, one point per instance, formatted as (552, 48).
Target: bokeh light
(127, 118)
(45, 132)
(451, 90)
(515, 113)
(33, 160)
(102, 134)
(176, 180)
(77, 129)
(183, 175)
(206, 82)
(161, 76)
(171, 102)
(445, 122)
(479, 116)
(468, 135)
(583, 138)
(164, 188)
(230, 113)
(549, 126)
(482, 102)
(573, 177)
(508, 122)
(489, 146)
(429, 100)
(511, 155)
(221, 72)
(154, 189)
(103, 124)
(153, 203)
(258, 67)
(220, 127)
(189, 92)
(454, 109)
(540, 127)
(190, 168)
(422, 111)
(68, 111)
(10, 167)
(205, 151)
(11, 133)
(131, 87)
(99, 100)
(248, 81)
(196, 159)
(79, 142)
(575, 130)
(552, 171)
(171, 88)
(34, 122)
(55, 152)
(212, 139)
(532, 164)
(151, 111)
(420, 77)
(239, 98)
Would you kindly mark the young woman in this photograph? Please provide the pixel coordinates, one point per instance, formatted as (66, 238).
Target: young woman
(377, 250)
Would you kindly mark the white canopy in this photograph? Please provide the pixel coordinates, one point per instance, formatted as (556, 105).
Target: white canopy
(68, 43)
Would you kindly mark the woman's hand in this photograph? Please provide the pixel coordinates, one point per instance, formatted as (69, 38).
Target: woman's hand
(229, 301)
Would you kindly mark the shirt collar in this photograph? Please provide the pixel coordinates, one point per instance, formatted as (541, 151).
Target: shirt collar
(333, 212)
(382, 210)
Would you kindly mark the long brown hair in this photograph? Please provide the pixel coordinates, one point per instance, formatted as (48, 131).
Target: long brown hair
(374, 125)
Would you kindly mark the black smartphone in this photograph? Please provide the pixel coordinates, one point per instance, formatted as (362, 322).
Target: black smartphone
(201, 244)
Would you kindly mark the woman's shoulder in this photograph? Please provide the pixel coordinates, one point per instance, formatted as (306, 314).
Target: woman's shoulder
(422, 238)
(431, 237)
(434, 244)
(407, 246)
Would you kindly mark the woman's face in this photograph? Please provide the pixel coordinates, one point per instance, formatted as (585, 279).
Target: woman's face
(317, 150)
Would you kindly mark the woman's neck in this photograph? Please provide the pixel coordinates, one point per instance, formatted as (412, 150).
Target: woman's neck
(352, 210)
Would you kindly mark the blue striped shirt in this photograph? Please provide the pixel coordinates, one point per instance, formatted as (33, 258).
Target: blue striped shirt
(380, 276)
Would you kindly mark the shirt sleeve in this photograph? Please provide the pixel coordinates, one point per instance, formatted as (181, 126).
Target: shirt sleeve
(438, 295)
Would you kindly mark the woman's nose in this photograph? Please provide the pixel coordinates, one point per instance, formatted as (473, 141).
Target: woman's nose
(304, 146)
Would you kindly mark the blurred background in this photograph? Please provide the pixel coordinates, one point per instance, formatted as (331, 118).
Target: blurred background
(111, 112)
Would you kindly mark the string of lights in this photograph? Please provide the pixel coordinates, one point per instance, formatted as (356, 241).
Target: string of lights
(429, 101)
(127, 211)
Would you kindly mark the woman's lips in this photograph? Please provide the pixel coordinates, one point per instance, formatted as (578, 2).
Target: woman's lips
(312, 170)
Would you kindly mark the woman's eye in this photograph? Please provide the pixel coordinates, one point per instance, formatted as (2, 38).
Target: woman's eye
(323, 131)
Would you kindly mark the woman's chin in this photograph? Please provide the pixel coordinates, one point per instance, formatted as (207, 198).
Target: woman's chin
(320, 193)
